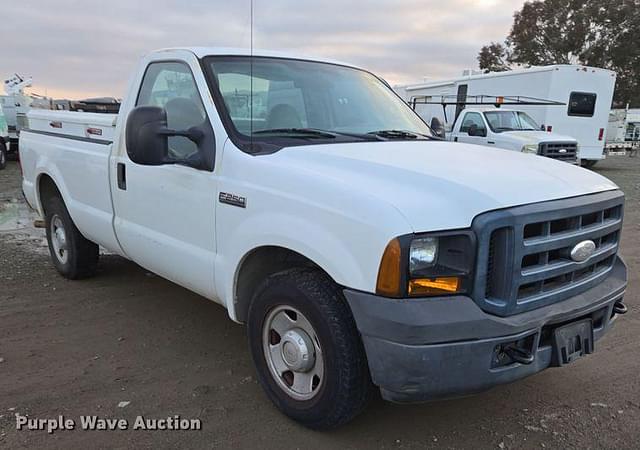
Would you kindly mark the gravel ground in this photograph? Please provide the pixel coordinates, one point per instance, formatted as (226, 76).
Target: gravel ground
(82, 348)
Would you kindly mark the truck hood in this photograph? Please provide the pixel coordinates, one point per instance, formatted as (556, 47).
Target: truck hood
(441, 185)
(536, 137)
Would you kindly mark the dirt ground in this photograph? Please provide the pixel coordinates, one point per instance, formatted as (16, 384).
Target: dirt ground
(82, 348)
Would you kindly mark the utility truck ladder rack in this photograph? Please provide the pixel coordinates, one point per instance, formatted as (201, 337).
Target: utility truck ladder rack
(461, 101)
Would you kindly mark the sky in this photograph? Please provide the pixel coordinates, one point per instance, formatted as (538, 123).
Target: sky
(83, 48)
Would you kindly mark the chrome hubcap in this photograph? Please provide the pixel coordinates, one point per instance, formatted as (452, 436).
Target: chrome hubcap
(297, 350)
(292, 351)
(59, 239)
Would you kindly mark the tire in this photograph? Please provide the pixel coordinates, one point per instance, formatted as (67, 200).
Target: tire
(3, 155)
(72, 254)
(588, 163)
(343, 386)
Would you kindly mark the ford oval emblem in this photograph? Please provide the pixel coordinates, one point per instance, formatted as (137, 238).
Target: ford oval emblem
(583, 251)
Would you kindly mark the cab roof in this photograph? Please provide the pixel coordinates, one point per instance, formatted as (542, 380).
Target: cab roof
(202, 52)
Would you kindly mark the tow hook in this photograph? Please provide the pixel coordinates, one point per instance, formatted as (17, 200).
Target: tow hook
(620, 308)
(519, 355)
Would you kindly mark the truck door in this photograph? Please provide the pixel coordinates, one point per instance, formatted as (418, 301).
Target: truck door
(472, 129)
(164, 215)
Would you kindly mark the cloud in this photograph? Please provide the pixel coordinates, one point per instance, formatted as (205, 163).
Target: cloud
(83, 48)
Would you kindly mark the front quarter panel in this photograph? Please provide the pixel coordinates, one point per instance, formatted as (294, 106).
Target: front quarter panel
(341, 230)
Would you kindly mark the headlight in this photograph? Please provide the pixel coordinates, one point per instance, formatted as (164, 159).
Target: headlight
(422, 253)
(427, 265)
(530, 148)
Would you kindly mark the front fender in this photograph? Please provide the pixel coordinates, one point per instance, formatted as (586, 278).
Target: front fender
(351, 258)
(342, 230)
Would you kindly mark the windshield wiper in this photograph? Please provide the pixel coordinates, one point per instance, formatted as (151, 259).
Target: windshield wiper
(316, 133)
(302, 132)
(400, 134)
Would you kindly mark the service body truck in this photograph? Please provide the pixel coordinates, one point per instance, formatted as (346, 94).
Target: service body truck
(623, 132)
(587, 93)
(312, 203)
(4, 139)
(511, 129)
(15, 110)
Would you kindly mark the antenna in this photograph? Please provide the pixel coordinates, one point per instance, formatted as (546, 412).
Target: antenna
(251, 74)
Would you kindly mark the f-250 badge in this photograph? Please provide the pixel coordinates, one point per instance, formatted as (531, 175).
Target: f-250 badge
(232, 199)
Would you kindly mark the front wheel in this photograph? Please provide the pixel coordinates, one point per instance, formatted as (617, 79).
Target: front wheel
(588, 163)
(307, 350)
(3, 155)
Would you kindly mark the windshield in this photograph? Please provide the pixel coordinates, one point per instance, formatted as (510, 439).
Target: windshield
(510, 121)
(292, 99)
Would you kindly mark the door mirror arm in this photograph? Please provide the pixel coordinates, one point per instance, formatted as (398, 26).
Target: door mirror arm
(194, 134)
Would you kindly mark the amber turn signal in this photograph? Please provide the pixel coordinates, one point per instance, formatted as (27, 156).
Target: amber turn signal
(434, 286)
(389, 278)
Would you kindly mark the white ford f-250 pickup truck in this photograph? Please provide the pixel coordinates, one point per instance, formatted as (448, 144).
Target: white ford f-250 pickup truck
(317, 207)
(511, 130)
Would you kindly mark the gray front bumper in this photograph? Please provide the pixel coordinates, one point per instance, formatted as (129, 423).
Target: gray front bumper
(425, 349)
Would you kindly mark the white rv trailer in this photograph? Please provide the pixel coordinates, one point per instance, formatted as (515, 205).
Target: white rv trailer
(586, 91)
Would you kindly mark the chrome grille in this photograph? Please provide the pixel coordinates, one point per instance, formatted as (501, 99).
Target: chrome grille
(524, 252)
(564, 151)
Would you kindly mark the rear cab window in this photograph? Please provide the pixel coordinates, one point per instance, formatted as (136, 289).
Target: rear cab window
(582, 104)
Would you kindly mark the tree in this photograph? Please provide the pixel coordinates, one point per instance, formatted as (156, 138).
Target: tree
(549, 32)
(589, 32)
(615, 44)
(493, 58)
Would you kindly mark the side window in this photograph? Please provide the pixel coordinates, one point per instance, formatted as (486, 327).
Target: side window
(170, 85)
(582, 104)
(472, 119)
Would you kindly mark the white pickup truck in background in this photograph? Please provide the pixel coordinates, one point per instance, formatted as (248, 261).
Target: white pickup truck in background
(511, 130)
(312, 203)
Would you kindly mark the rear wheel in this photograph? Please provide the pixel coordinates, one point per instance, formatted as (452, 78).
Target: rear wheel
(3, 155)
(307, 350)
(72, 254)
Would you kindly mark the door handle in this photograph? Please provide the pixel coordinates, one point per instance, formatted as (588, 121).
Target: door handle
(490, 142)
(122, 177)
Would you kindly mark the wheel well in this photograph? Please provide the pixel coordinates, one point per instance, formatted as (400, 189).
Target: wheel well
(47, 190)
(257, 266)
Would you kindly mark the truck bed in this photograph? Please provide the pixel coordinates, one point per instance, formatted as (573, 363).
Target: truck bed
(73, 149)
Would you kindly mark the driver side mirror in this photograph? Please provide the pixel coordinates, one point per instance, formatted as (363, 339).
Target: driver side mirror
(145, 143)
(438, 128)
(147, 139)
